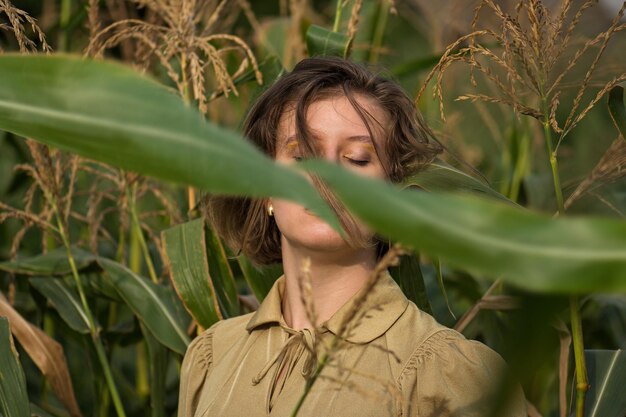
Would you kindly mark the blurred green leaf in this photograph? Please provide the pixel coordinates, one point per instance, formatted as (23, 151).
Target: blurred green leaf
(108, 112)
(152, 304)
(529, 250)
(36, 411)
(324, 42)
(273, 35)
(13, 395)
(189, 268)
(7, 163)
(415, 66)
(65, 302)
(52, 263)
(617, 110)
(606, 370)
(408, 275)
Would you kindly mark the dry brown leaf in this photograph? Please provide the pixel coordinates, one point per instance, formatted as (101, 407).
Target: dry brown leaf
(47, 354)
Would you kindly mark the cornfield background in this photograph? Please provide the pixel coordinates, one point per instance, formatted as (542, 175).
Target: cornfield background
(108, 270)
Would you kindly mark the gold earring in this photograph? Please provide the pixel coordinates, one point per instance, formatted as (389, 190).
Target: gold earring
(270, 210)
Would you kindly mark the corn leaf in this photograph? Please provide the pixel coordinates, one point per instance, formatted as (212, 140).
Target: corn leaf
(189, 268)
(529, 250)
(64, 301)
(108, 112)
(52, 263)
(13, 395)
(221, 275)
(440, 176)
(606, 370)
(408, 275)
(46, 353)
(153, 304)
(321, 41)
(259, 279)
(157, 365)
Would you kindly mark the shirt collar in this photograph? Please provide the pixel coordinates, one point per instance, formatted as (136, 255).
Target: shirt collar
(384, 305)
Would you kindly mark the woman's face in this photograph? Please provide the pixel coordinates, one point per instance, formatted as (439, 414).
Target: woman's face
(340, 137)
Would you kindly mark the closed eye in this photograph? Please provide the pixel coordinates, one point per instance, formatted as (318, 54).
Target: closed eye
(358, 162)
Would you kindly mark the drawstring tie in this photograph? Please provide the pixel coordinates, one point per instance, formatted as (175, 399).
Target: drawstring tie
(307, 337)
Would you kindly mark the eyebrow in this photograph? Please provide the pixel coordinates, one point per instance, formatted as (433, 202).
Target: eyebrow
(355, 138)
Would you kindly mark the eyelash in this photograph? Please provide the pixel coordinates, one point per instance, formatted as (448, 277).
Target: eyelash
(358, 162)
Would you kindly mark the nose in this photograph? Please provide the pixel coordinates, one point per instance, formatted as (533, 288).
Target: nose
(329, 151)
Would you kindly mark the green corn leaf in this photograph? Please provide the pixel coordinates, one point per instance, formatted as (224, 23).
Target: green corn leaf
(65, 302)
(408, 275)
(606, 370)
(189, 268)
(529, 250)
(52, 263)
(440, 176)
(259, 279)
(36, 411)
(108, 112)
(321, 41)
(272, 36)
(152, 304)
(13, 395)
(157, 365)
(221, 275)
(442, 285)
(617, 109)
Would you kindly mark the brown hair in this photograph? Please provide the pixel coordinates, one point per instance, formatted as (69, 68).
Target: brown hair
(243, 222)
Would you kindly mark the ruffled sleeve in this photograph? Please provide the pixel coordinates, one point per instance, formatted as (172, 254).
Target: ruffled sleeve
(449, 376)
(194, 371)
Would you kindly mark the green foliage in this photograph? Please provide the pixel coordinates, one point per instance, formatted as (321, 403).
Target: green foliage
(134, 123)
(499, 240)
(483, 226)
(607, 370)
(321, 41)
(195, 282)
(153, 304)
(13, 396)
(616, 107)
(63, 299)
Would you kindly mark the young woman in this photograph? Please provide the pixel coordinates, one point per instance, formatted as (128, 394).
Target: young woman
(395, 360)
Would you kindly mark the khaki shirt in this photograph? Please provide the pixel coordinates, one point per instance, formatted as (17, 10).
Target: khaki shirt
(395, 361)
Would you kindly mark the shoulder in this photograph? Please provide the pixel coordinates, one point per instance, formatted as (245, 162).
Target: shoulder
(219, 337)
(201, 353)
(442, 372)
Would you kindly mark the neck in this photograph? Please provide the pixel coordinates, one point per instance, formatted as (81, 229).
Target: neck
(335, 277)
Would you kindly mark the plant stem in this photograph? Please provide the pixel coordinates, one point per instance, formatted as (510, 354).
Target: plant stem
(191, 192)
(64, 20)
(93, 330)
(554, 165)
(338, 11)
(309, 383)
(138, 232)
(379, 32)
(582, 384)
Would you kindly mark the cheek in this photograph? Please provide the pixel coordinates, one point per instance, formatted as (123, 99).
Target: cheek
(294, 220)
